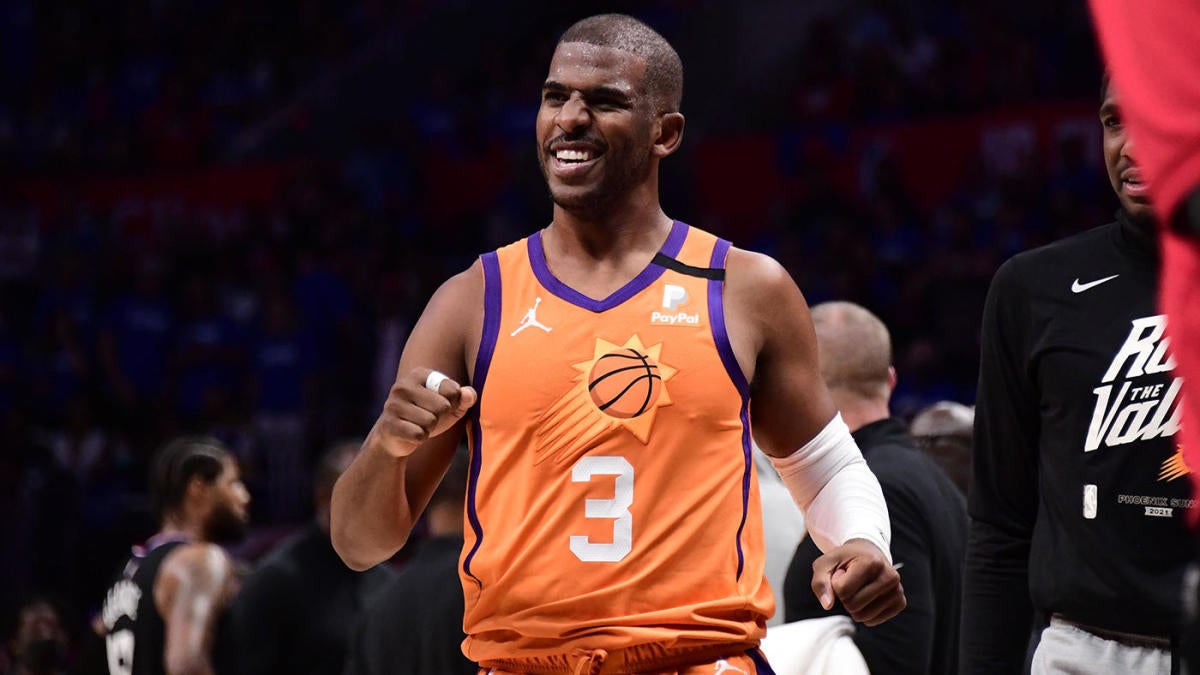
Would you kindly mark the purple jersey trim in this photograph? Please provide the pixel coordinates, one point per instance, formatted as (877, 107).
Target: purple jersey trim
(483, 361)
(537, 260)
(716, 318)
(761, 667)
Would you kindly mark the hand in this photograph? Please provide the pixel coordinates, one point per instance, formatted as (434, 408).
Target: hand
(858, 574)
(412, 413)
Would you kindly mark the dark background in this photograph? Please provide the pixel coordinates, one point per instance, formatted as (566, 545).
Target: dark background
(222, 217)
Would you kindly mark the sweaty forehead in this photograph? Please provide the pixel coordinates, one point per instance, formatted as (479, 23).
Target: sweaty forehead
(586, 64)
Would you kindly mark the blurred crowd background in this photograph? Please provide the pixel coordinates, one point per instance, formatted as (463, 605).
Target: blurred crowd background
(223, 217)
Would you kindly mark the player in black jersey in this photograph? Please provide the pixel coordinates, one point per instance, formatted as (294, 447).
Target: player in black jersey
(161, 615)
(1079, 493)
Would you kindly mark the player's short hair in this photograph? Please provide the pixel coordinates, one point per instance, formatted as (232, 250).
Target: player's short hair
(664, 70)
(1105, 80)
(855, 349)
(177, 463)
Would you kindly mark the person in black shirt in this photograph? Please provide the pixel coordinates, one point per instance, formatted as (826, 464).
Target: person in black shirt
(1078, 496)
(295, 612)
(161, 615)
(945, 432)
(415, 626)
(37, 641)
(927, 512)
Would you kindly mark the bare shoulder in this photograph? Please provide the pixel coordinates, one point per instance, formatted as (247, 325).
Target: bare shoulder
(446, 337)
(196, 569)
(460, 294)
(790, 402)
(755, 272)
(761, 296)
(468, 282)
(758, 282)
(198, 563)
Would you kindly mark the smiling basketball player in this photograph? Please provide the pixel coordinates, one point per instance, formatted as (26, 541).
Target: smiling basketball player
(613, 520)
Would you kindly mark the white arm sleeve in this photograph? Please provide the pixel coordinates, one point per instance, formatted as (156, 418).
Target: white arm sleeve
(832, 485)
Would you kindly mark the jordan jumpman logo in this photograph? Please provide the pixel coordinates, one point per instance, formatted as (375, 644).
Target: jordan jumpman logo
(530, 319)
(724, 666)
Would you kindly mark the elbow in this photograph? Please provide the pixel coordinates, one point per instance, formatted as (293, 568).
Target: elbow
(353, 554)
(354, 562)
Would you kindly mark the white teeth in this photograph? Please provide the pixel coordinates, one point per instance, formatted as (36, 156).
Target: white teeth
(573, 155)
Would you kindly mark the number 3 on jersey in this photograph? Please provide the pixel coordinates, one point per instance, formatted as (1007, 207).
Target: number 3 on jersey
(616, 508)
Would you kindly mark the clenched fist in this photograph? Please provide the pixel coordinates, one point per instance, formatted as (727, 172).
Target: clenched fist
(414, 412)
(858, 574)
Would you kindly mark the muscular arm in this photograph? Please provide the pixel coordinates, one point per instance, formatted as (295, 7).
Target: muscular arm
(770, 327)
(194, 584)
(997, 613)
(380, 496)
(772, 335)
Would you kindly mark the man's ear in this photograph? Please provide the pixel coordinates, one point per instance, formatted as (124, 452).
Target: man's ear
(197, 488)
(668, 134)
(892, 379)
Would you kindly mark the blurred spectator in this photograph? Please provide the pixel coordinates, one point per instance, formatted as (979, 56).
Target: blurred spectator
(134, 344)
(11, 364)
(392, 330)
(296, 611)
(206, 356)
(283, 372)
(37, 640)
(928, 515)
(393, 637)
(69, 366)
(944, 431)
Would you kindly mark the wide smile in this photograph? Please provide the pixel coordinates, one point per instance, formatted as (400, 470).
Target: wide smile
(569, 162)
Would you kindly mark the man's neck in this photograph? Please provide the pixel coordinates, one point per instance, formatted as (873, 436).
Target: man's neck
(616, 223)
(602, 236)
(598, 257)
(857, 412)
(177, 527)
(1142, 229)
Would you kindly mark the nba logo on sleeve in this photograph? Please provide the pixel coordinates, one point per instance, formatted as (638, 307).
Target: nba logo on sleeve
(673, 298)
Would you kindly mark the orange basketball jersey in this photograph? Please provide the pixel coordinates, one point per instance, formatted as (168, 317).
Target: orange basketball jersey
(612, 501)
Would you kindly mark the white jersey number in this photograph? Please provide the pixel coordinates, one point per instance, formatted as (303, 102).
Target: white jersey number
(119, 646)
(616, 508)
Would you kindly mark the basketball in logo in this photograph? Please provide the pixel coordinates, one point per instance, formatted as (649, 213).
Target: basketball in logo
(624, 383)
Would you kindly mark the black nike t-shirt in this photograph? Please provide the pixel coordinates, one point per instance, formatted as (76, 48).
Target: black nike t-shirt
(1079, 493)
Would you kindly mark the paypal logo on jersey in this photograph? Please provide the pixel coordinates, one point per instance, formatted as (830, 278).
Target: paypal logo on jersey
(673, 297)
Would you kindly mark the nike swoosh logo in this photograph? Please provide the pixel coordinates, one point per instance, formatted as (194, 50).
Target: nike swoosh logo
(1077, 287)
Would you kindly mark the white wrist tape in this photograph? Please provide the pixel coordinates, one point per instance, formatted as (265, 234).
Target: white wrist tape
(840, 497)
